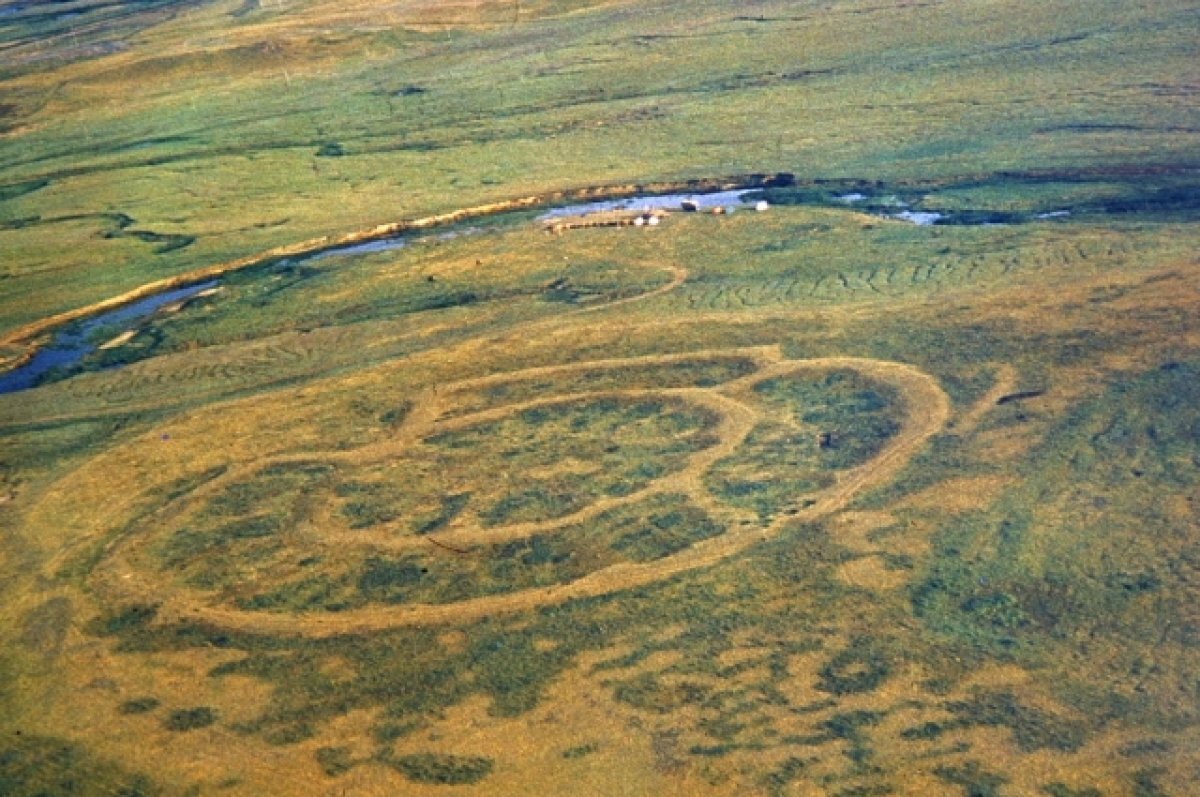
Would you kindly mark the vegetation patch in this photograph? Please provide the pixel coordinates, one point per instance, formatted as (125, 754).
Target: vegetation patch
(35, 766)
(1032, 729)
(189, 719)
(443, 769)
(1059, 566)
(1063, 790)
(123, 620)
(619, 444)
(860, 667)
(580, 751)
(818, 425)
(973, 778)
(640, 532)
(335, 761)
(139, 705)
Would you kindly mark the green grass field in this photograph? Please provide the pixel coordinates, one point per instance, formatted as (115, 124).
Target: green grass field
(810, 501)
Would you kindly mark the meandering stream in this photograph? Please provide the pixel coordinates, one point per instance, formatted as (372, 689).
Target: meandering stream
(76, 339)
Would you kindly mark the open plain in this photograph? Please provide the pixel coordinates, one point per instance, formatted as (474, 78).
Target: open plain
(599, 398)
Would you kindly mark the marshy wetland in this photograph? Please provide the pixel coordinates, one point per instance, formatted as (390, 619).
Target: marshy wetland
(371, 461)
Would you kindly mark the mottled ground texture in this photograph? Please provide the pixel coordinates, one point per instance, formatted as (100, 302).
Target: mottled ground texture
(427, 495)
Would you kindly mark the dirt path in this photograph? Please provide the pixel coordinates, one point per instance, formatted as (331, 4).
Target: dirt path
(927, 409)
(679, 275)
(1006, 382)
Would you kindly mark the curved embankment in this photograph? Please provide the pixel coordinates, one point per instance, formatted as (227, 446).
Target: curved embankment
(926, 408)
(27, 335)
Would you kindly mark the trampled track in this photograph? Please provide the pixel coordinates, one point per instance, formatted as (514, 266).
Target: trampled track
(926, 410)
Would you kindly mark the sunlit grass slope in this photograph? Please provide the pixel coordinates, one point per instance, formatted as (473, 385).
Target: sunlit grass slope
(809, 501)
(242, 126)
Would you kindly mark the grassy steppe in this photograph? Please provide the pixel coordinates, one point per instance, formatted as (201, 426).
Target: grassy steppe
(213, 125)
(804, 502)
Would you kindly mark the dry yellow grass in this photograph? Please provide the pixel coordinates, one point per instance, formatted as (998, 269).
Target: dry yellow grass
(999, 601)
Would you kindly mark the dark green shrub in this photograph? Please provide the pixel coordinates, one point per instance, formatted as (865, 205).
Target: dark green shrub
(139, 705)
(858, 668)
(447, 769)
(189, 719)
(335, 761)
